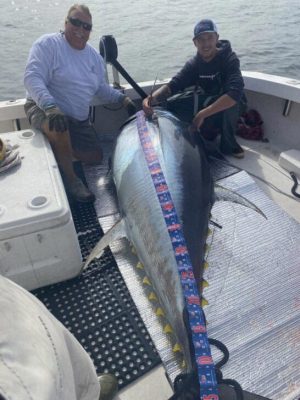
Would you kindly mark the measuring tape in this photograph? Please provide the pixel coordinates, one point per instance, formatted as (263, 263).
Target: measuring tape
(204, 361)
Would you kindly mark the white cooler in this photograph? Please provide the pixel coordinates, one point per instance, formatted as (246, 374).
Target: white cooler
(38, 242)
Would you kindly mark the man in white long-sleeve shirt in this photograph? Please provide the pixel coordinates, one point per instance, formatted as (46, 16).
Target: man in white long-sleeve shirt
(62, 75)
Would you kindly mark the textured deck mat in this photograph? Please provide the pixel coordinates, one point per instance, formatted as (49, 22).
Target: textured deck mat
(220, 168)
(97, 308)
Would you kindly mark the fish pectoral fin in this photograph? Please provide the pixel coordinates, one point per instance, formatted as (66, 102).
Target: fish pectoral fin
(224, 194)
(116, 232)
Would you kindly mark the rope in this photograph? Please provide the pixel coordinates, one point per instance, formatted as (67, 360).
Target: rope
(295, 186)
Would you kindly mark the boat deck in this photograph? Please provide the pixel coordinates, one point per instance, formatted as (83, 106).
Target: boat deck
(254, 304)
(254, 266)
(253, 271)
(261, 162)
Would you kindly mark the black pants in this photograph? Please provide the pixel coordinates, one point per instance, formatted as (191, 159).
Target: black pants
(223, 123)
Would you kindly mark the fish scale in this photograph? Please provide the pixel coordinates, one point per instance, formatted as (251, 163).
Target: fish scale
(204, 362)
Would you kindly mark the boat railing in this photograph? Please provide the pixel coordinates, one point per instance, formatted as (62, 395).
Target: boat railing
(276, 98)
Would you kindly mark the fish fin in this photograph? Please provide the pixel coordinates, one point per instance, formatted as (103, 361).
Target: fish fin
(133, 250)
(116, 232)
(146, 281)
(168, 329)
(204, 284)
(207, 248)
(160, 312)
(224, 194)
(139, 265)
(177, 348)
(204, 302)
(152, 297)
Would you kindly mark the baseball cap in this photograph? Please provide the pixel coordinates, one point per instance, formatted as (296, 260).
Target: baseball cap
(205, 25)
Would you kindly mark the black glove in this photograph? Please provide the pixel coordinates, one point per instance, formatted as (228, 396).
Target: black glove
(57, 120)
(130, 106)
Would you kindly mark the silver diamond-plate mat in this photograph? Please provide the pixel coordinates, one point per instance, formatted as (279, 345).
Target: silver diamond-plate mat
(254, 297)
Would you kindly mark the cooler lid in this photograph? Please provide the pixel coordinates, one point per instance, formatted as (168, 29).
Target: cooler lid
(32, 195)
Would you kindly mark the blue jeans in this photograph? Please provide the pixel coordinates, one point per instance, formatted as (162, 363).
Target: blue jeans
(223, 123)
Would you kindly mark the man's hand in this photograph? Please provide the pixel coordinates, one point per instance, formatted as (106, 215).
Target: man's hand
(57, 120)
(198, 120)
(147, 106)
(159, 96)
(130, 106)
(222, 103)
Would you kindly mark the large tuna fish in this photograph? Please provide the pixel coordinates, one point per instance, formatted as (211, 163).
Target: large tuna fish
(188, 177)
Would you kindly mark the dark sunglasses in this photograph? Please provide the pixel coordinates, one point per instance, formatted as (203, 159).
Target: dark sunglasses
(78, 23)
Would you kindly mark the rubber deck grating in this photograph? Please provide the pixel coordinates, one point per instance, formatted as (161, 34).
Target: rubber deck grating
(220, 168)
(98, 309)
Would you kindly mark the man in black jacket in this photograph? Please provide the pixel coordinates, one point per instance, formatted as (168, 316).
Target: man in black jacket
(214, 73)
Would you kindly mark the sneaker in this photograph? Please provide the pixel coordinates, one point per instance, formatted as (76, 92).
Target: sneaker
(108, 386)
(238, 152)
(79, 192)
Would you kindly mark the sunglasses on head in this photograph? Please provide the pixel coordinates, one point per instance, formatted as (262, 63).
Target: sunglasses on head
(78, 23)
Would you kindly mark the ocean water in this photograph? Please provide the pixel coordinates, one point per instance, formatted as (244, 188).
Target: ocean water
(155, 37)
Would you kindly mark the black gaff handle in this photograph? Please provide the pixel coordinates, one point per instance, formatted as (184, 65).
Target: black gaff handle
(109, 51)
(128, 78)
